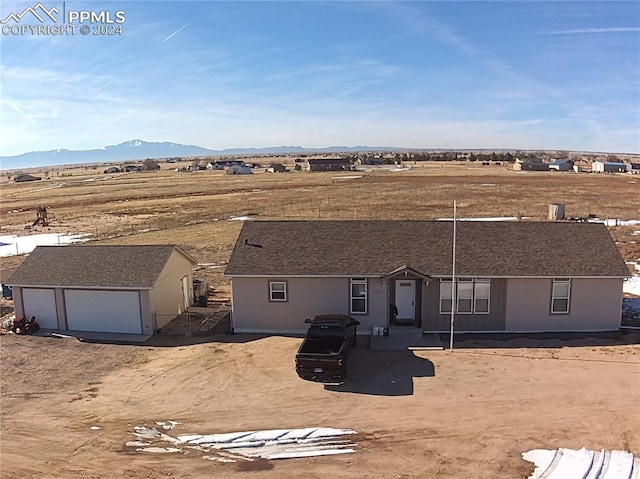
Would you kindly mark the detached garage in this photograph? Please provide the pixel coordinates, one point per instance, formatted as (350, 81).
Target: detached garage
(107, 289)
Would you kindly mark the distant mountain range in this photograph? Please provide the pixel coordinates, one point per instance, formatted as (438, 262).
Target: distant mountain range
(140, 150)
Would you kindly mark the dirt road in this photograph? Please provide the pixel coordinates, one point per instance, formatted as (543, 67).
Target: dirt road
(430, 414)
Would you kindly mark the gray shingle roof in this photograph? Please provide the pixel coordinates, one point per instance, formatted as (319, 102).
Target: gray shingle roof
(379, 247)
(120, 266)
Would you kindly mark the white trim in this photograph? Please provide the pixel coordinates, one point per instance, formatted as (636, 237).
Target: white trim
(562, 281)
(113, 288)
(528, 331)
(384, 275)
(271, 291)
(360, 281)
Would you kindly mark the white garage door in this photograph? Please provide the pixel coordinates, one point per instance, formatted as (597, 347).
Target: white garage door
(103, 311)
(40, 303)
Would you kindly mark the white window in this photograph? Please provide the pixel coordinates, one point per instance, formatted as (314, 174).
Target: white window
(465, 296)
(472, 296)
(445, 296)
(358, 301)
(481, 293)
(560, 296)
(277, 291)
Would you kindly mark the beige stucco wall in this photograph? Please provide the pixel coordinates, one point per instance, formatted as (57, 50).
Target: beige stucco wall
(17, 301)
(166, 299)
(595, 305)
(306, 297)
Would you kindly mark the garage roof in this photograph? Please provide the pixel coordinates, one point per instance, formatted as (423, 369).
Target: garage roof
(377, 248)
(115, 266)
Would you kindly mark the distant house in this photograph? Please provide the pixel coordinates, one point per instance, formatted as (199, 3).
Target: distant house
(561, 164)
(328, 164)
(128, 289)
(25, 178)
(608, 167)
(238, 169)
(112, 169)
(510, 276)
(530, 165)
(633, 168)
(276, 168)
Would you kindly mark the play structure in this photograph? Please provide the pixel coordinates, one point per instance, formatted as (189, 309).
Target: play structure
(42, 217)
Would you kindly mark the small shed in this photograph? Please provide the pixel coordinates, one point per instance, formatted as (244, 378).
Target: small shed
(608, 167)
(238, 169)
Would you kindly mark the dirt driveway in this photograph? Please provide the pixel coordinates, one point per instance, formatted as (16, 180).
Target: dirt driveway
(429, 414)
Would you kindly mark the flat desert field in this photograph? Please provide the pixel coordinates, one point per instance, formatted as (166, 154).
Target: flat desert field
(69, 408)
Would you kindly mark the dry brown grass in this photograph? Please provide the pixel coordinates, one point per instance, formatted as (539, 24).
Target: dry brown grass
(193, 209)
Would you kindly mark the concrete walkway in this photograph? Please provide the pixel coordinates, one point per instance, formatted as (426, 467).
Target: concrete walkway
(406, 338)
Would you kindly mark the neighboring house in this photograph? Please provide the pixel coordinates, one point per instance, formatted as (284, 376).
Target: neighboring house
(238, 169)
(633, 168)
(561, 164)
(25, 178)
(510, 276)
(328, 164)
(276, 168)
(112, 169)
(112, 289)
(530, 165)
(608, 167)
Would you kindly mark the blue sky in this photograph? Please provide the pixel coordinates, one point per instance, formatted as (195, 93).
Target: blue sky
(527, 75)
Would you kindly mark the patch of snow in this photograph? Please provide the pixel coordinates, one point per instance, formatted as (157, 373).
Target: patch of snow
(136, 443)
(581, 464)
(632, 285)
(13, 245)
(636, 233)
(241, 218)
(94, 428)
(159, 450)
(614, 222)
(250, 445)
(488, 184)
(167, 424)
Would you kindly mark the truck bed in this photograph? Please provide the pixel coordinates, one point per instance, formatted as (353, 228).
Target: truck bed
(321, 346)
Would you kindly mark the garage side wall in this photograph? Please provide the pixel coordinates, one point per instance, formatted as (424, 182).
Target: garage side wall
(595, 305)
(306, 297)
(166, 299)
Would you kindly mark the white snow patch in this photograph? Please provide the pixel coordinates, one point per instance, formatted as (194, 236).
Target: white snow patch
(159, 450)
(580, 464)
(12, 245)
(632, 285)
(249, 445)
(241, 218)
(167, 424)
(94, 428)
(636, 233)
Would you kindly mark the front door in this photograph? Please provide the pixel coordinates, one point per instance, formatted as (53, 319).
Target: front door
(406, 300)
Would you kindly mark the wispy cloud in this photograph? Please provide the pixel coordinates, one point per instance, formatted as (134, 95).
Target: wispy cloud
(580, 31)
(175, 33)
(16, 107)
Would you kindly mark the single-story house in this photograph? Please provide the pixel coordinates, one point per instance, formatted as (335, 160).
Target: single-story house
(608, 167)
(276, 168)
(510, 276)
(633, 168)
(135, 289)
(530, 165)
(328, 164)
(561, 164)
(238, 169)
(24, 178)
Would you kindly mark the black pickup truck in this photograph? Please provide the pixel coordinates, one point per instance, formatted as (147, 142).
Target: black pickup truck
(322, 356)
